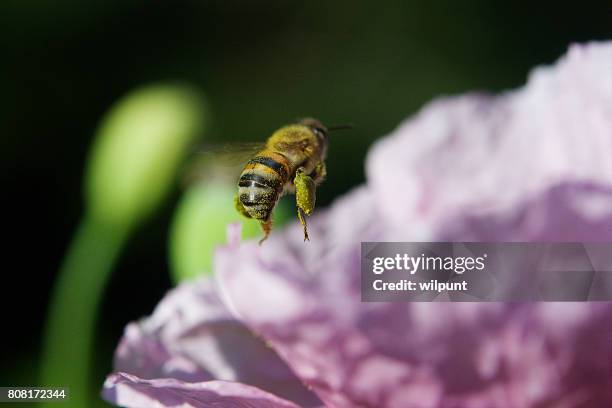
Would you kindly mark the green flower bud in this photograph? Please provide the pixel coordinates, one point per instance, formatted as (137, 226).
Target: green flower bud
(200, 224)
(138, 149)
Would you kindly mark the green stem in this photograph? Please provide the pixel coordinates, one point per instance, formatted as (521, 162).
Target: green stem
(69, 336)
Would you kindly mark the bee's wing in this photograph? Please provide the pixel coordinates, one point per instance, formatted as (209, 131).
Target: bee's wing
(220, 160)
(230, 154)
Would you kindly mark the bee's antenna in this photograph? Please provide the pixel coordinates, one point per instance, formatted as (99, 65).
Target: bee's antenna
(340, 127)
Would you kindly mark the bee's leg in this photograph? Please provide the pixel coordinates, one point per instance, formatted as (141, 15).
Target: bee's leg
(302, 217)
(305, 189)
(239, 207)
(319, 173)
(266, 226)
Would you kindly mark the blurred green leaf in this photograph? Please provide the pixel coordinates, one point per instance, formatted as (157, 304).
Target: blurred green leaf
(137, 151)
(133, 164)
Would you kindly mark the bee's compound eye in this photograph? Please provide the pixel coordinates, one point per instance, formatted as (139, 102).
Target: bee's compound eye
(319, 132)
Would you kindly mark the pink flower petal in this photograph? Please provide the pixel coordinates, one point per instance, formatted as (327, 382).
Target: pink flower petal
(132, 392)
(483, 156)
(531, 164)
(192, 337)
(417, 354)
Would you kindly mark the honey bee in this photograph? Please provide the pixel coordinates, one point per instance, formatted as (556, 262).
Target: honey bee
(291, 161)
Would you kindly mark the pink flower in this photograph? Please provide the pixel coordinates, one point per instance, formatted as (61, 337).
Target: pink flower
(283, 323)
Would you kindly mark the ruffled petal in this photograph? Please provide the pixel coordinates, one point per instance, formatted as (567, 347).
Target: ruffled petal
(527, 165)
(132, 392)
(409, 354)
(484, 156)
(192, 337)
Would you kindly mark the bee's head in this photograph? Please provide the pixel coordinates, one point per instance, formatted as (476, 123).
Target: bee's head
(319, 130)
(317, 127)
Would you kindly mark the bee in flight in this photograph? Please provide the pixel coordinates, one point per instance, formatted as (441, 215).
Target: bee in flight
(292, 161)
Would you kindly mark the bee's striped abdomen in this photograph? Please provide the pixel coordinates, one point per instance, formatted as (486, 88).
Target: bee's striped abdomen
(261, 183)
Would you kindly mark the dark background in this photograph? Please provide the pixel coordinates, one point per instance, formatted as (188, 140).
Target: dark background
(260, 64)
